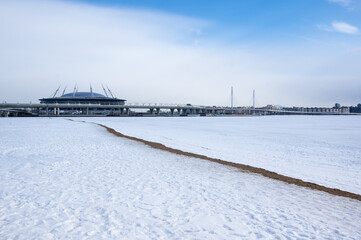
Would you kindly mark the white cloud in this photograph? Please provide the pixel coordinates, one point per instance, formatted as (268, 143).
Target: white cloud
(344, 3)
(344, 28)
(341, 27)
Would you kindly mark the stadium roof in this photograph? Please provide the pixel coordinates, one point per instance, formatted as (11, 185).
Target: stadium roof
(83, 95)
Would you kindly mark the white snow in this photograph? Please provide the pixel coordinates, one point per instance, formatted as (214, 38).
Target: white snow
(70, 180)
(320, 149)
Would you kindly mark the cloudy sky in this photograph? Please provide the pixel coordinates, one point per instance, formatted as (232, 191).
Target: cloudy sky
(293, 53)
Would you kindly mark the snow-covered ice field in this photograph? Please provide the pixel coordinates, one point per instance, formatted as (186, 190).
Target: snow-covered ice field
(322, 149)
(70, 180)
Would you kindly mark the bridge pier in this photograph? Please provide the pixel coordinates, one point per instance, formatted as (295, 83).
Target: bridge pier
(158, 111)
(56, 111)
(179, 111)
(172, 111)
(151, 110)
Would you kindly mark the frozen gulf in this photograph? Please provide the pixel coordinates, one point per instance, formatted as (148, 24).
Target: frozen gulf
(63, 179)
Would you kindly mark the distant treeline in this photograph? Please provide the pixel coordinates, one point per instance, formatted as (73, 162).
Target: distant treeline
(356, 109)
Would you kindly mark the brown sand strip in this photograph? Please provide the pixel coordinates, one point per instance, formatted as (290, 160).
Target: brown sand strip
(243, 167)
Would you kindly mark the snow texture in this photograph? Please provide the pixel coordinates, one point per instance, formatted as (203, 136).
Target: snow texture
(70, 180)
(322, 149)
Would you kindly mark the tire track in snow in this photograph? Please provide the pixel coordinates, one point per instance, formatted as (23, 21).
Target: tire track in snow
(242, 167)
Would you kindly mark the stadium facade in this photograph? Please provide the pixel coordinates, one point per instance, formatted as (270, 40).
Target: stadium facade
(83, 98)
(96, 103)
(77, 97)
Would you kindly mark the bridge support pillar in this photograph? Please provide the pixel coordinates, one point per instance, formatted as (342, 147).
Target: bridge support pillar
(172, 111)
(121, 111)
(87, 111)
(151, 110)
(128, 111)
(56, 111)
(158, 111)
(47, 111)
(179, 111)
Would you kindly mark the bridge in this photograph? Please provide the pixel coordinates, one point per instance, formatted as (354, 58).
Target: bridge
(136, 109)
(29, 109)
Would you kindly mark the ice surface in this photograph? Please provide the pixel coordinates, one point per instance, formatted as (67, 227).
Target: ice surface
(320, 149)
(71, 180)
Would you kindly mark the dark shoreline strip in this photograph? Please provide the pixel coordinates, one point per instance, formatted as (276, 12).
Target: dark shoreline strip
(243, 167)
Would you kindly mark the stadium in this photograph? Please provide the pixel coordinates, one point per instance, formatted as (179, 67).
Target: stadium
(76, 97)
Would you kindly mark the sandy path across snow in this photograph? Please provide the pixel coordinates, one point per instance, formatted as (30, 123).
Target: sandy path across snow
(243, 167)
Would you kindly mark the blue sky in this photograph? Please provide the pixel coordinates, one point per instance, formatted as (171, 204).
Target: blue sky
(294, 52)
(256, 19)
